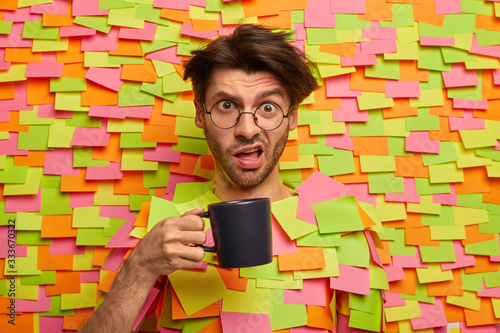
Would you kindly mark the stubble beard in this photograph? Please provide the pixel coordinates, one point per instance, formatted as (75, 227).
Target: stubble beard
(246, 178)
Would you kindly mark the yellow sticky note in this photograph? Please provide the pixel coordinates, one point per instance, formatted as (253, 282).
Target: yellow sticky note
(60, 135)
(468, 300)
(31, 187)
(49, 45)
(433, 273)
(377, 163)
(163, 68)
(86, 298)
(469, 216)
(186, 127)
(97, 59)
(374, 100)
(445, 173)
(378, 277)
(129, 125)
(327, 70)
(83, 262)
(133, 159)
(172, 33)
(431, 97)
(408, 311)
(179, 107)
(390, 211)
(16, 72)
(467, 158)
(476, 139)
(105, 196)
(173, 83)
(28, 221)
(408, 51)
(25, 292)
(88, 217)
(395, 127)
(285, 213)
(25, 265)
(426, 206)
(70, 101)
(304, 162)
(125, 17)
(447, 232)
(198, 289)
(288, 283)
(493, 170)
(199, 13)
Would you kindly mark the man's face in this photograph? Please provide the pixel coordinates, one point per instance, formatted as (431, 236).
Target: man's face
(245, 154)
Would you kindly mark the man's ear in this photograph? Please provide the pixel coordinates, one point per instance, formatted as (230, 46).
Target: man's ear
(199, 119)
(293, 117)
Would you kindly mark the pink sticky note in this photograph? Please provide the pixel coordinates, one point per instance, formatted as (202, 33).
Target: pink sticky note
(300, 31)
(87, 8)
(376, 32)
(9, 146)
(307, 329)
(76, 31)
(146, 33)
(65, 245)
(459, 76)
(468, 122)
(176, 178)
(20, 250)
(444, 7)
(352, 279)
(394, 273)
(168, 54)
(15, 37)
(313, 292)
(122, 238)
(91, 136)
(489, 292)
(57, 7)
(317, 15)
(281, 241)
(101, 41)
(20, 15)
(340, 86)
(432, 315)
(490, 51)
(51, 324)
(60, 162)
(4, 65)
(437, 41)
(402, 89)
(107, 77)
(392, 299)
(410, 261)
(420, 142)
(19, 101)
(340, 141)
(373, 248)
(348, 7)
(245, 322)
(162, 153)
(115, 259)
(23, 203)
(379, 46)
(113, 171)
(42, 303)
(496, 76)
(464, 328)
(151, 297)
(187, 29)
(317, 188)
(49, 111)
(47, 68)
(81, 199)
(449, 199)
(89, 276)
(462, 259)
(409, 195)
(359, 58)
(470, 104)
(349, 112)
(361, 192)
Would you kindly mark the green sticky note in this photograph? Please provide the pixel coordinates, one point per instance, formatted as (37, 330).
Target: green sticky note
(442, 253)
(55, 308)
(354, 250)
(5, 27)
(432, 59)
(433, 273)
(134, 140)
(36, 138)
(447, 153)
(50, 45)
(129, 125)
(269, 271)
(114, 4)
(317, 36)
(425, 206)
(28, 221)
(130, 94)
(160, 209)
(421, 295)
(492, 226)
(445, 218)
(424, 186)
(430, 30)
(445, 173)
(378, 277)
(70, 101)
(327, 70)
(24, 265)
(186, 127)
(32, 237)
(113, 226)
(67, 84)
(385, 182)
(404, 18)
(16, 72)
(447, 232)
(485, 248)
(468, 300)
(13, 174)
(285, 315)
(377, 163)
(197, 290)
(314, 53)
(191, 146)
(398, 246)
(338, 215)
(86, 298)
(156, 89)
(469, 215)
(373, 127)
(82, 119)
(157, 178)
(395, 127)
(55, 202)
(35, 30)
(83, 158)
(397, 147)
(125, 17)
(99, 23)
(431, 97)
(407, 51)
(288, 283)
(316, 239)
(473, 93)
(91, 237)
(285, 213)
(374, 100)
(340, 163)
(45, 277)
(31, 187)
(147, 12)
(477, 7)
(172, 33)
(327, 125)
(173, 83)
(423, 122)
(383, 69)
(30, 117)
(366, 311)
(304, 162)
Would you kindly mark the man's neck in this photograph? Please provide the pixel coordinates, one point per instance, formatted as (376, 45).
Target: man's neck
(271, 188)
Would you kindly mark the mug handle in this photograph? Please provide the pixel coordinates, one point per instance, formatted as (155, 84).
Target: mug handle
(205, 248)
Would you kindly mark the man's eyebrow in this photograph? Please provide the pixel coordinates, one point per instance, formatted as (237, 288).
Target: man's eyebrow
(272, 92)
(261, 95)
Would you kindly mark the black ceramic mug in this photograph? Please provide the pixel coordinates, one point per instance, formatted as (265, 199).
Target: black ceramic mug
(242, 232)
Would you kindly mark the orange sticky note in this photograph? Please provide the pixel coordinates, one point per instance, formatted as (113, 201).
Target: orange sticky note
(57, 226)
(128, 47)
(13, 124)
(319, 317)
(447, 288)
(409, 71)
(66, 283)
(98, 95)
(48, 262)
(22, 55)
(377, 10)
(232, 279)
(100, 254)
(51, 20)
(343, 50)
(131, 183)
(112, 152)
(485, 315)
(475, 181)
(186, 166)
(141, 73)
(38, 91)
(411, 166)
(73, 54)
(74, 323)
(142, 217)
(34, 158)
(419, 236)
(360, 82)
(370, 145)
(400, 109)
(253, 8)
(425, 11)
(306, 258)
(321, 102)
(165, 134)
(205, 25)
(78, 183)
(282, 21)
(355, 177)
(7, 90)
(179, 313)
(175, 15)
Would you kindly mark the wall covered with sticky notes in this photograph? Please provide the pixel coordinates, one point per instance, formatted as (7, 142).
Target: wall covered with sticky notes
(95, 120)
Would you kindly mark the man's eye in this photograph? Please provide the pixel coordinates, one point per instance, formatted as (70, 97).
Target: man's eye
(226, 105)
(268, 108)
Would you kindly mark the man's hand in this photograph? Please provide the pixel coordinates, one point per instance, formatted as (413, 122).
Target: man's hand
(165, 249)
(168, 246)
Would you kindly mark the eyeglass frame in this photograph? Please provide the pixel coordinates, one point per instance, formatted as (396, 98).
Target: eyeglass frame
(252, 113)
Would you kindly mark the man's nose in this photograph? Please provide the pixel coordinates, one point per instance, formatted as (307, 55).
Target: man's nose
(246, 126)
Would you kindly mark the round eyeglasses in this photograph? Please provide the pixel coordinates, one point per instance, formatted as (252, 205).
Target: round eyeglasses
(225, 114)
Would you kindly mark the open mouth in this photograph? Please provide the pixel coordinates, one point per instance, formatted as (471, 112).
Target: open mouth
(250, 157)
(250, 154)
